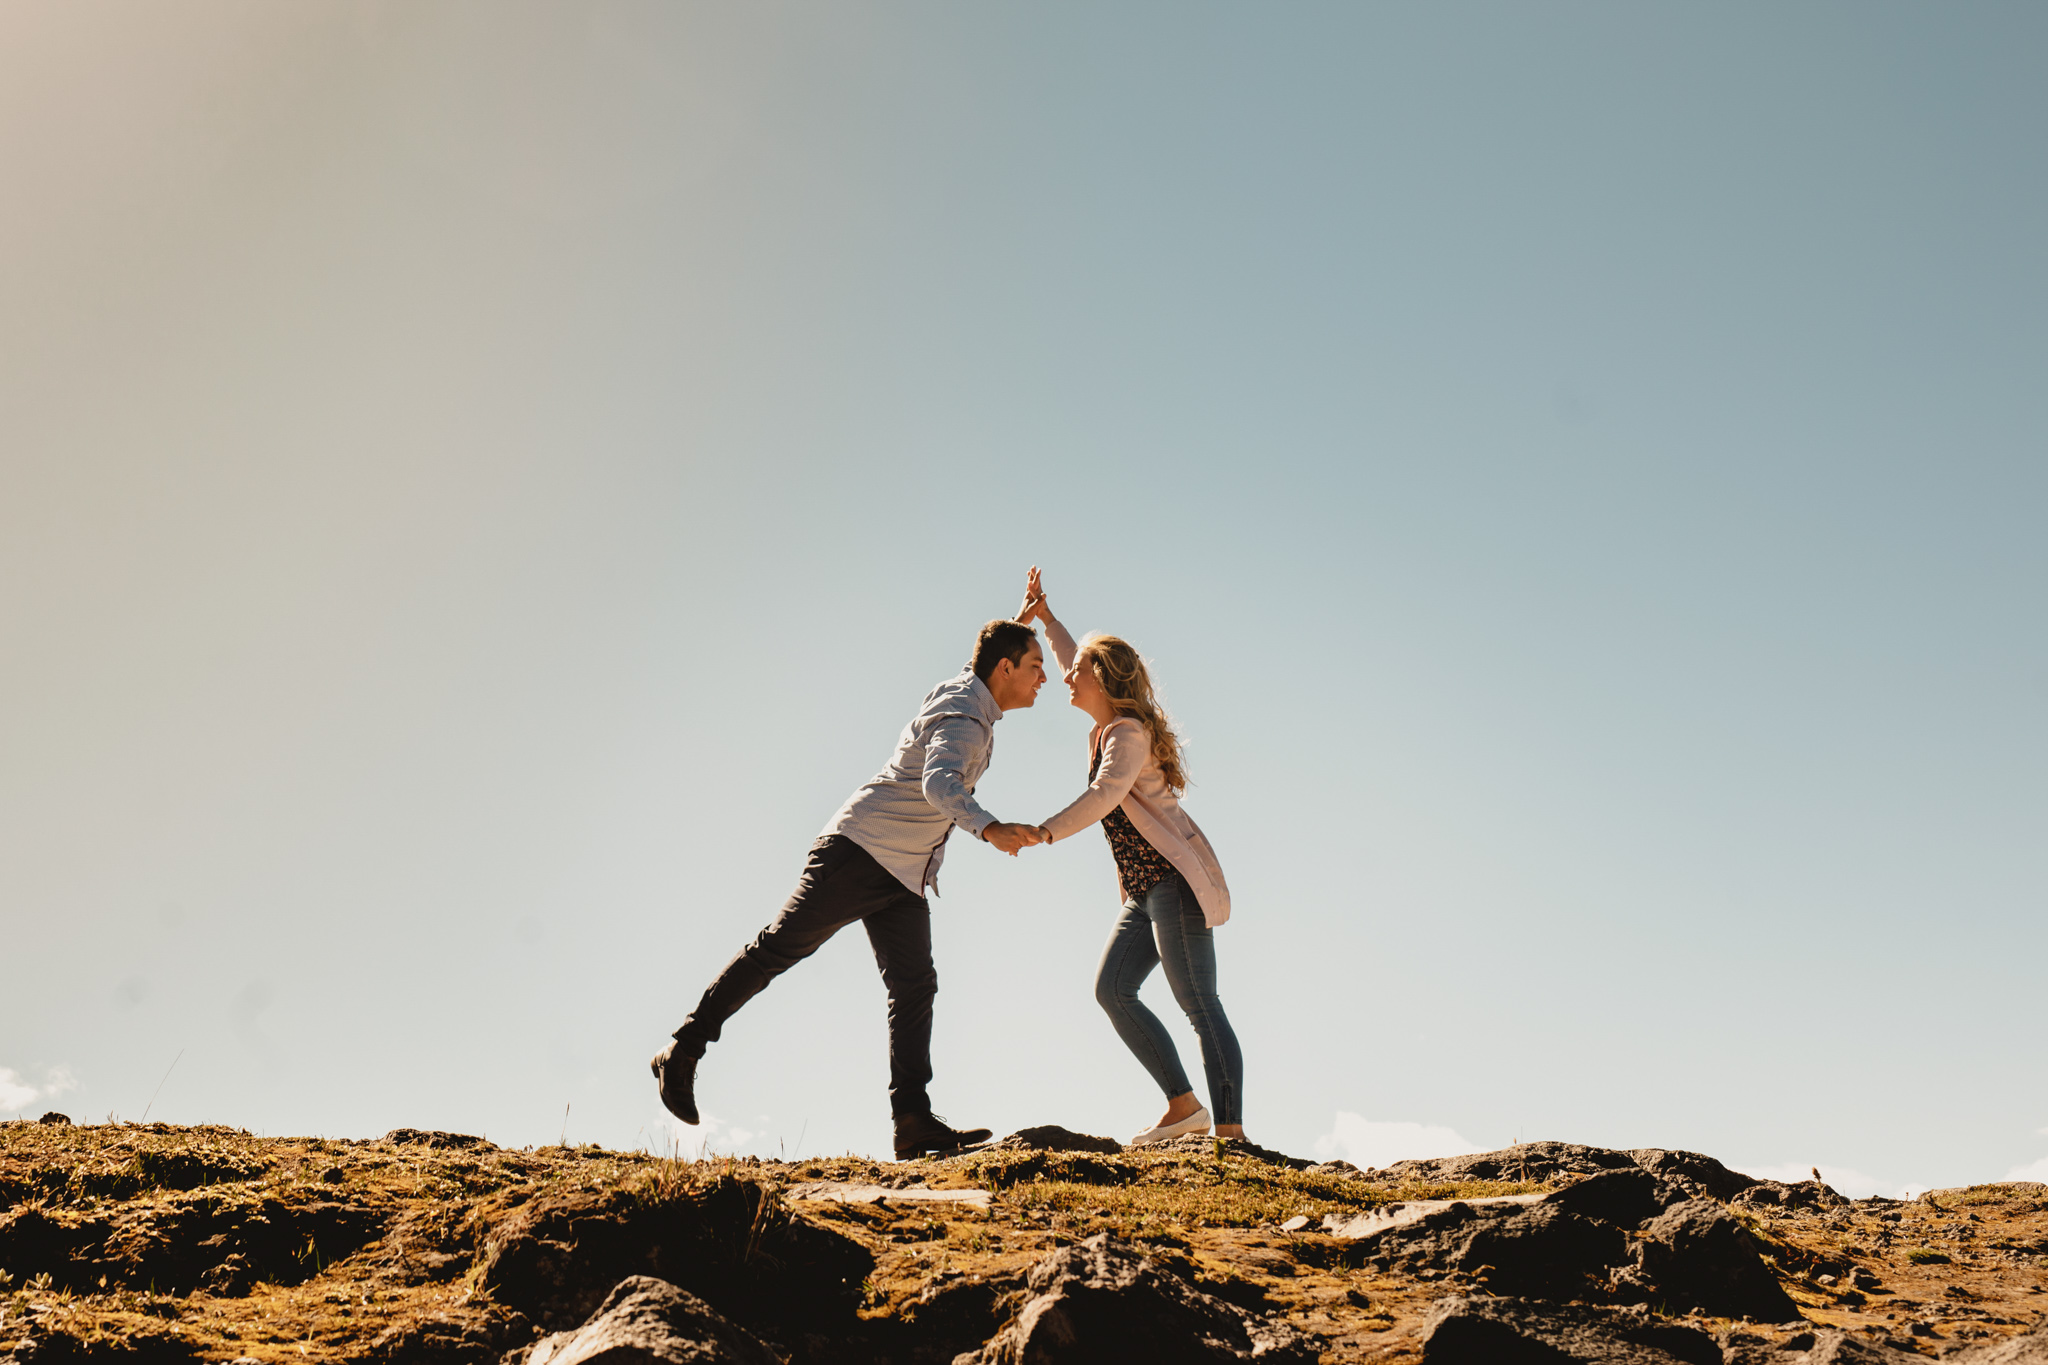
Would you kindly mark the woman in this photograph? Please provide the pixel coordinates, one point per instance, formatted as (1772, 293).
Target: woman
(1173, 890)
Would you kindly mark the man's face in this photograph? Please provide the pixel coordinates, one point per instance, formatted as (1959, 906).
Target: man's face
(1016, 684)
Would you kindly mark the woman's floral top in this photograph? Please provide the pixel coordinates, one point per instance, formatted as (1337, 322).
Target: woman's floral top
(1139, 866)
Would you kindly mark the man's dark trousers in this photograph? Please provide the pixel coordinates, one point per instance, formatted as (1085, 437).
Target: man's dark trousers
(842, 883)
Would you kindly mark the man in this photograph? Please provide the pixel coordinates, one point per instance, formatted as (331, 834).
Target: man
(872, 864)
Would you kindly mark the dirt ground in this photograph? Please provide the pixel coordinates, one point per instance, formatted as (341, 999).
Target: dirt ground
(145, 1242)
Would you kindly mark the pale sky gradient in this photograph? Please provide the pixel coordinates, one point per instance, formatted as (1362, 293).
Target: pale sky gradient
(480, 483)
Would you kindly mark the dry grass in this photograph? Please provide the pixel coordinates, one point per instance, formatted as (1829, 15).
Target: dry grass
(434, 1210)
(1139, 1192)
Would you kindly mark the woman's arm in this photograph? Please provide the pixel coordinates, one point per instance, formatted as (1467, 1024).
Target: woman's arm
(1125, 748)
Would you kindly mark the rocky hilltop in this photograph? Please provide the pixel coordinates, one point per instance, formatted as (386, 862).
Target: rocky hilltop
(128, 1242)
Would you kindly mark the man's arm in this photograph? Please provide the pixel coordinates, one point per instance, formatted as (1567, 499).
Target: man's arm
(946, 749)
(945, 785)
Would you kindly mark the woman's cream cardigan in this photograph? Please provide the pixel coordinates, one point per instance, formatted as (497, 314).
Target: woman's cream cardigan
(1130, 777)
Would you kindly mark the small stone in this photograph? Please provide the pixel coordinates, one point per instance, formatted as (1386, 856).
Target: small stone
(1295, 1224)
(651, 1320)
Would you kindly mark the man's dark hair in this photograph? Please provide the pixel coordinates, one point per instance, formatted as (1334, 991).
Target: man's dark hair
(1001, 640)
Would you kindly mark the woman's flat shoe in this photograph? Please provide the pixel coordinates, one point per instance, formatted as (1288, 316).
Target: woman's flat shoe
(1197, 1122)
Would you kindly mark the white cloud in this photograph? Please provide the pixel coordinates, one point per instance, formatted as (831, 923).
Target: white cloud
(1370, 1143)
(17, 1093)
(2033, 1170)
(714, 1137)
(1841, 1179)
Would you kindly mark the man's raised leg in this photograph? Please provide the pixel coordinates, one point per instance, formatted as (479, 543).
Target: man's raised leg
(831, 894)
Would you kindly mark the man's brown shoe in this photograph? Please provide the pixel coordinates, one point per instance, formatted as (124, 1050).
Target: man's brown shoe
(917, 1134)
(675, 1075)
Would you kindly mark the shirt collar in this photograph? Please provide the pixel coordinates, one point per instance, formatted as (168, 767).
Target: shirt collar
(983, 698)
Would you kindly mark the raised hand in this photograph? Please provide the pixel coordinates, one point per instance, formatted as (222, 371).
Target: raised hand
(1034, 598)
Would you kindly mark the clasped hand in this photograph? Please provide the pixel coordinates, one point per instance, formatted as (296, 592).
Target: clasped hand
(1009, 838)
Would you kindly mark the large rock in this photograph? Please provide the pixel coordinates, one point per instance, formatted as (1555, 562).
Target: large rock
(1696, 1255)
(957, 1312)
(732, 1243)
(1051, 1137)
(1201, 1144)
(1535, 1250)
(1776, 1194)
(1103, 1301)
(1483, 1330)
(1549, 1160)
(436, 1140)
(645, 1321)
(2028, 1349)
(1577, 1243)
(1626, 1198)
(1702, 1173)
(1833, 1346)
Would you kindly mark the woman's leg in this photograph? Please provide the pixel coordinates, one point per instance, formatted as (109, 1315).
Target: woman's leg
(1187, 950)
(1127, 960)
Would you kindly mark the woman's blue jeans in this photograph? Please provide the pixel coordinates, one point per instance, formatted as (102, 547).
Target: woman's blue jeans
(1165, 928)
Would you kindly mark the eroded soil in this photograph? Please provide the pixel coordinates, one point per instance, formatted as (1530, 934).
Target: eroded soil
(152, 1242)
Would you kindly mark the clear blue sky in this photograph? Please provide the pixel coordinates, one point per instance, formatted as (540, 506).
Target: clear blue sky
(479, 484)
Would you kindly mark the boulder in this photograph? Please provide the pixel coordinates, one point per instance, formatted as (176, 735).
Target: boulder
(1483, 1330)
(441, 1340)
(1383, 1217)
(957, 1312)
(1105, 1301)
(1802, 1194)
(1523, 1161)
(1051, 1137)
(1626, 1199)
(1541, 1252)
(1537, 1250)
(1743, 1347)
(2030, 1348)
(436, 1140)
(645, 1321)
(1550, 1160)
(1576, 1243)
(732, 1243)
(1833, 1346)
(1204, 1145)
(1697, 1255)
(1702, 1173)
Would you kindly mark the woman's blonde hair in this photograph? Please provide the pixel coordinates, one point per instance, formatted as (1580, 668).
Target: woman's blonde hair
(1129, 688)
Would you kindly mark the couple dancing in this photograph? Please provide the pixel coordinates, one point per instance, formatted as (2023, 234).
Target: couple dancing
(882, 850)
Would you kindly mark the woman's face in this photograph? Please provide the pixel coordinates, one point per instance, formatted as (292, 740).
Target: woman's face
(1084, 689)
